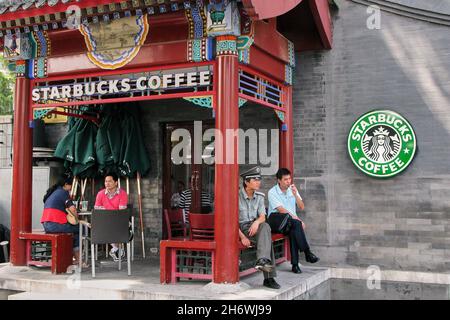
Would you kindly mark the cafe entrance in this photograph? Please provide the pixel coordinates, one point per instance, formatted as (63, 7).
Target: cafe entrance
(188, 167)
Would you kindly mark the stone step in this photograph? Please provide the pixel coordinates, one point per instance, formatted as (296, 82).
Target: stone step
(43, 296)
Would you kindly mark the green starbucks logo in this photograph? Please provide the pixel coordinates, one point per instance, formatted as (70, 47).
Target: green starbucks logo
(382, 143)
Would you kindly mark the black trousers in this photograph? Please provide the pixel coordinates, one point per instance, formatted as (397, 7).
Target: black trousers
(297, 240)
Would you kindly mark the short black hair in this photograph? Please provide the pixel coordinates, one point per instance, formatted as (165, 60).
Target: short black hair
(283, 172)
(113, 175)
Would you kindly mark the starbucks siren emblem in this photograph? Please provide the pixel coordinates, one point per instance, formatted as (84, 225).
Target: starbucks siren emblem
(382, 146)
(382, 143)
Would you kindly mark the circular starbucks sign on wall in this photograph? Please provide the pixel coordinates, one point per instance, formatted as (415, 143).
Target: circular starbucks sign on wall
(382, 143)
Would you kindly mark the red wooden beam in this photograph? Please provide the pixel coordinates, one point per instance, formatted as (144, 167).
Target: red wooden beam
(149, 55)
(321, 13)
(125, 70)
(265, 9)
(127, 99)
(267, 64)
(270, 41)
(75, 115)
(260, 102)
(162, 28)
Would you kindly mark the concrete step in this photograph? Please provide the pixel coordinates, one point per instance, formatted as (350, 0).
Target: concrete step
(43, 296)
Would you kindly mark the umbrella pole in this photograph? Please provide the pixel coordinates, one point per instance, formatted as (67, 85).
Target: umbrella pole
(83, 188)
(73, 192)
(76, 187)
(93, 189)
(73, 186)
(140, 212)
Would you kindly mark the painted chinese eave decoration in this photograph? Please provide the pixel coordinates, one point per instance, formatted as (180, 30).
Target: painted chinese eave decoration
(113, 45)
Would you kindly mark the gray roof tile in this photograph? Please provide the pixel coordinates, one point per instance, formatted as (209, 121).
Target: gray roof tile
(7, 6)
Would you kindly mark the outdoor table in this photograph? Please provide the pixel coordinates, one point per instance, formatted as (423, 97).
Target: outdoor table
(83, 223)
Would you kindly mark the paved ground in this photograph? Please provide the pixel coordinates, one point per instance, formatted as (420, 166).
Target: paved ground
(144, 284)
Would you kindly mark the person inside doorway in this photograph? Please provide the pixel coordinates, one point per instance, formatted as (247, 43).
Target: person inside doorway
(56, 201)
(176, 197)
(253, 227)
(186, 201)
(112, 198)
(283, 198)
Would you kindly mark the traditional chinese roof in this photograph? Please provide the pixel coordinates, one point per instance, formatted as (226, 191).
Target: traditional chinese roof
(21, 15)
(19, 6)
(16, 10)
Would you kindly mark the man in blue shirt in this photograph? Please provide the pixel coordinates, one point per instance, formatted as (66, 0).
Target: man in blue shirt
(283, 198)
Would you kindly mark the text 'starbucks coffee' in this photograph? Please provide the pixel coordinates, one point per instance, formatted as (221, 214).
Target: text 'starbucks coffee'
(382, 143)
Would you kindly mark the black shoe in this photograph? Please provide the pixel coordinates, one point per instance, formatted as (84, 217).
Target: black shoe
(264, 264)
(296, 269)
(271, 283)
(311, 257)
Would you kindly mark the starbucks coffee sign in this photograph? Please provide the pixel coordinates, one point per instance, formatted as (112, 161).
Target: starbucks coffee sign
(125, 85)
(381, 143)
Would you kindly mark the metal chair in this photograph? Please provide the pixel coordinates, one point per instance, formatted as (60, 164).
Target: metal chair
(110, 226)
(131, 213)
(174, 223)
(4, 245)
(201, 226)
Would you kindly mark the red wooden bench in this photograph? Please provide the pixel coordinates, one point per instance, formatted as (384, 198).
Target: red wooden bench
(170, 261)
(276, 237)
(62, 248)
(168, 258)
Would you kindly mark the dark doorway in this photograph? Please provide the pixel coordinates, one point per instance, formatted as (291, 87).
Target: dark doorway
(192, 181)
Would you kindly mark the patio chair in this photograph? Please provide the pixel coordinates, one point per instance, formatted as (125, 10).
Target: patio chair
(174, 223)
(132, 231)
(110, 226)
(201, 226)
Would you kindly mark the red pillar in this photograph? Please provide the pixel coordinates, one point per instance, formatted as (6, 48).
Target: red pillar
(287, 135)
(21, 202)
(226, 266)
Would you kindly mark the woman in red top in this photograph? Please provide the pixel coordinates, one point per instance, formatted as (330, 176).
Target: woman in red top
(56, 202)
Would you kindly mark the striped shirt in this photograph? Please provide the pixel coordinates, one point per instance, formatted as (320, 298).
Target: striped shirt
(186, 200)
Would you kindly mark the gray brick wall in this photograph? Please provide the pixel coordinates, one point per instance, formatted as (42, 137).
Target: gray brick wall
(352, 219)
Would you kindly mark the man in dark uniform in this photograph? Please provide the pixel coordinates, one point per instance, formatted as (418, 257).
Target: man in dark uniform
(253, 227)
